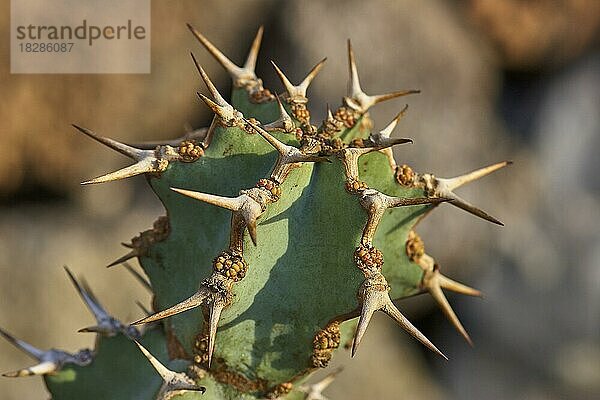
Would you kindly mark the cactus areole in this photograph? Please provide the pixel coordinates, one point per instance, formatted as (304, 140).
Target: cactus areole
(282, 237)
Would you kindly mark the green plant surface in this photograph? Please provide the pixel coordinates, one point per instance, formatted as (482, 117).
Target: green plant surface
(334, 217)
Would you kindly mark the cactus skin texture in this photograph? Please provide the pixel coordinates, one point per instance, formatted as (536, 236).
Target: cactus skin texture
(272, 250)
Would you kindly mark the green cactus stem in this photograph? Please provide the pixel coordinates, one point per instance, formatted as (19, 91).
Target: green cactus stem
(281, 239)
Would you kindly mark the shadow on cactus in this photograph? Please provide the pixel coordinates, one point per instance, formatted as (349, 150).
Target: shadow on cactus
(271, 252)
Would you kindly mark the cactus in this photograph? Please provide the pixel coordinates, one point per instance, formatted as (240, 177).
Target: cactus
(271, 253)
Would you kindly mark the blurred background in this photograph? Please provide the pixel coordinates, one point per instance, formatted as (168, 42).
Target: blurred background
(513, 79)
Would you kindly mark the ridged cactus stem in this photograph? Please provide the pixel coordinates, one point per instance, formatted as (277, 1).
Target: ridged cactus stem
(271, 252)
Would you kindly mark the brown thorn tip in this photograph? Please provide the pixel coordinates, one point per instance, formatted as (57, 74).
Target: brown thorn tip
(252, 231)
(122, 259)
(192, 302)
(214, 315)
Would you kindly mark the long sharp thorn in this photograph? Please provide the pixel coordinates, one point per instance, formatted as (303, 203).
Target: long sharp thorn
(387, 131)
(211, 87)
(397, 141)
(454, 183)
(143, 166)
(354, 84)
(391, 310)
(216, 307)
(91, 329)
(284, 121)
(468, 207)
(231, 68)
(311, 76)
(438, 295)
(123, 259)
(407, 201)
(210, 132)
(252, 230)
(282, 111)
(289, 87)
(192, 302)
(300, 90)
(250, 63)
(22, 345)
(383, 97)
(233, 204)
(458, 287)
(366, 312)
(122, 148)
(42, 368)
(87, 297)
(165, 373)
(211, 104)
(281, 147)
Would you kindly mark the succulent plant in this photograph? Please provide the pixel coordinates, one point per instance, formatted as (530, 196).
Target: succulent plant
(271, 253)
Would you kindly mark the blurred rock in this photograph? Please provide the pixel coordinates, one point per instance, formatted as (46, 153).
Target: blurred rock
(537, 34)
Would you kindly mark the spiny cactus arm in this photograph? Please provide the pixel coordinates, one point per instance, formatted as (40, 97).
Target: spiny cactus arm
(373, 294)
(282, 297)
(229, 353)
(119, 371)
(394, 232)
